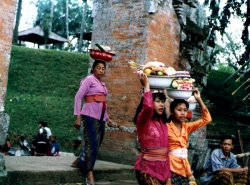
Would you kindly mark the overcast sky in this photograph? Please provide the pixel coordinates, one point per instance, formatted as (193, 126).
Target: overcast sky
(29, 12)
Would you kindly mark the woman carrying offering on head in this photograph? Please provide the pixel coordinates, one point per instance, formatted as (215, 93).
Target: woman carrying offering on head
(93, 114)
(178, 131)
(152, 165)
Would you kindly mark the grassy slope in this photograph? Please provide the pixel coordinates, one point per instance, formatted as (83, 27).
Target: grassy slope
(42, 85)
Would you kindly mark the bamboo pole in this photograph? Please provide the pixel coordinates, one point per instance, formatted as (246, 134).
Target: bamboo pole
(248, 80)
(245, 160)
(236, 72)
(242, 75)
(247, 96)
(242, 155)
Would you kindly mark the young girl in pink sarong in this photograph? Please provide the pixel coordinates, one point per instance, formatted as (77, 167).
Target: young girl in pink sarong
(152, 165)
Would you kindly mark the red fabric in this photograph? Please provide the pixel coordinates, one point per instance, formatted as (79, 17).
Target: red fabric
(95, 98)
(159, 154)
(189, 115)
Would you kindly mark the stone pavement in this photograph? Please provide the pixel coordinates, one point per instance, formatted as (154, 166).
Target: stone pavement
(45, 170)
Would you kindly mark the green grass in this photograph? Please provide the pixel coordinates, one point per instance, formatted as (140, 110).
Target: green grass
(41, 86)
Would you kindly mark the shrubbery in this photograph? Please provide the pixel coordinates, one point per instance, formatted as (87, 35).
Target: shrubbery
(221, 94)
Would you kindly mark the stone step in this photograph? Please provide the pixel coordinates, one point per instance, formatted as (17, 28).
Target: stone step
(32, 170)
(119, 182)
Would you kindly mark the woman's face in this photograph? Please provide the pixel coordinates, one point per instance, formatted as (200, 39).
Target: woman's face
(159, 106)
(180, 112)
(99, 70)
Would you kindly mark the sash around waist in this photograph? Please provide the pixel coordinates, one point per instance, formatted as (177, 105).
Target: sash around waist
(179, 152)
(158, 154)
(95, 98)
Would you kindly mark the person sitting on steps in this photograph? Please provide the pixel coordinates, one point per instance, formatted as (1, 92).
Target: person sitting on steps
(222, 167)
(40, 146)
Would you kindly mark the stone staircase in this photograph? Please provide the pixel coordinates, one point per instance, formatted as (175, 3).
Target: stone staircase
(32, 170)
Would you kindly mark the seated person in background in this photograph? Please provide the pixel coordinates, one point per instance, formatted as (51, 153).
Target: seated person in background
(23, 144)
(40, 145)
(54, 147)
(6, 147)
(43, 125)
(222, 167)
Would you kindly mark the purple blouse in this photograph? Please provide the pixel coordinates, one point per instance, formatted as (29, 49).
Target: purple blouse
(90, 86)
(152, 134)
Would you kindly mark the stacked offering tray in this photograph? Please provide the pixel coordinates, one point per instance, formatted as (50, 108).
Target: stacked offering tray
(179, 84)
(182, 86)
(160, 82)
(179, 94)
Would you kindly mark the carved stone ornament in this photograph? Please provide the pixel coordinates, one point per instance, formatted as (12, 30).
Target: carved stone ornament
(151, 6)
(4, 126)
(2, 166)
(97, 5)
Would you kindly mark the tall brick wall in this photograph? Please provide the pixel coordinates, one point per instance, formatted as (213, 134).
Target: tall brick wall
(133, 34)
(7, 17)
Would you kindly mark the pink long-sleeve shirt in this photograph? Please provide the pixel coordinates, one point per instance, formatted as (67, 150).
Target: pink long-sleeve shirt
(152, 134)
(90, 86)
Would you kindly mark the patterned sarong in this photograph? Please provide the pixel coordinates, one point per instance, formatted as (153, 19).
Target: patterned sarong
(228, 178)
(93, 134)
(178, 179)
(146, 179)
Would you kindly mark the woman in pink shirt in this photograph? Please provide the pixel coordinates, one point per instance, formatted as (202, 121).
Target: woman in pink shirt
(152, 165)
(93, 113)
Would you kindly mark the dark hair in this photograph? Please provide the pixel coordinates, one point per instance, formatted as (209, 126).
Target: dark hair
(159, 95)
(43, 123)
(96, 62)
(53, 136)
(227, 137)
(174, 104)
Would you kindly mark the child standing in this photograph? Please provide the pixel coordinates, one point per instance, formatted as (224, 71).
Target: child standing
(152, 165)
(178, 131)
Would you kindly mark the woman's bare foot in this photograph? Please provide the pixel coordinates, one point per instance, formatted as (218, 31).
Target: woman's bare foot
(74, 163)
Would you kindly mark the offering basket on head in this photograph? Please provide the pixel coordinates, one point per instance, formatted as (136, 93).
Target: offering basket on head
(101, 53)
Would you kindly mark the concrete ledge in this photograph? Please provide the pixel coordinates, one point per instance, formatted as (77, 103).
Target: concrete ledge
(47, 163)
(32, 170)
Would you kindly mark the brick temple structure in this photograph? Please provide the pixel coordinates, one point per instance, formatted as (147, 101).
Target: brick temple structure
(140, 31)
(7, 17)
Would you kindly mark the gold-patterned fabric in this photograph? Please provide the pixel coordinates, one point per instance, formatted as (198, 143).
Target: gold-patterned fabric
(228, 178)
(146, 179)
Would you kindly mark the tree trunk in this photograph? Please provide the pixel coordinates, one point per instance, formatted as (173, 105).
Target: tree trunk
(18, 16)
(50, 24)
(67, 18)
(51, 16)
(83, 25)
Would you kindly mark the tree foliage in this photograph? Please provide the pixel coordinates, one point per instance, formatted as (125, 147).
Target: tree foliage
(220, 19)
(59, 16)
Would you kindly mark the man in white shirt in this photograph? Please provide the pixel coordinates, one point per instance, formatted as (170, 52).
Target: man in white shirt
(43, 125)
(41, 143)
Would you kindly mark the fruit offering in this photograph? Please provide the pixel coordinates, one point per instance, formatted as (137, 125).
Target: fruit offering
(157, 68)
(153, 68)
(134, 66)
(183, 83)
(182, 74)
